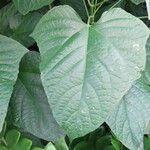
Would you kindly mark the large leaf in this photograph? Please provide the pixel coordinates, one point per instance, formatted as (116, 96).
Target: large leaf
(17, 26)
(25, 6)
(131, 116)
(87, 69)
(11, 53)
(29, 106)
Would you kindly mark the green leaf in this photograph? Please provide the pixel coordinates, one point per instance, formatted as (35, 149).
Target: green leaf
(131, 116)
(6, 13)
(86, 70)
(50, 146)
(11, 53)
(146, 143)
(12, 137)
(61, 144)
(81, 146)
(25, 28)
(17, 26)
(23, 144)
(29, 107)
(25, 6)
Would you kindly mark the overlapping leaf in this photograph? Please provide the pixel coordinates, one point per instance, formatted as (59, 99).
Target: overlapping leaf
(29, 105)
(11, 53)
(17, 26)
(87, 69)
(132, 116)
(25, 6)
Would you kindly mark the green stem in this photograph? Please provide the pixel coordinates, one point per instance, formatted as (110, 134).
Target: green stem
(87, 12)
(115, 4)
(143, 17)
(99, 6)
(91, 17)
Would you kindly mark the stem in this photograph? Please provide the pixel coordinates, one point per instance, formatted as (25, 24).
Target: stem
(91, 17)
(99, 6)
(87, 12)
(143, 17)
(115, 4)
(90, 4)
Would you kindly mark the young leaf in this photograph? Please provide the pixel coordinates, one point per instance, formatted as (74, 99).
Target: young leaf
(12, 138)
(131, 116)
(29, 107)
(86, 69)
(23, 144)
(11, 53)
(25, 6)
(50, 146)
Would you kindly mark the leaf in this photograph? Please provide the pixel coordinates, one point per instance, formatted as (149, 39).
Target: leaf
(17, 26)
(25, 28)
(29, 107)
(60, 144)
(86, 70)
(23, 144)
(11, 53)
(50, 146)
(25, 6)
(81, 146)
(146, 143)
(12, 138)
(6, 13)
(131, 116)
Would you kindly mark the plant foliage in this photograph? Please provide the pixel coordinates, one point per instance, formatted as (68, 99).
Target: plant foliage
(86, 82)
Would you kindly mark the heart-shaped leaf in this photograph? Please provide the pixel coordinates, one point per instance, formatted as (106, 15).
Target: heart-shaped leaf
(86, 69)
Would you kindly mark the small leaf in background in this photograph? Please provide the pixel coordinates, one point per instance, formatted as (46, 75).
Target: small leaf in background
(11, 53)
(81, 146)
(17, 26)
(50, 146)
(81, 62)
(61, 144)
(12, 137)
(25, 6)
(23, 144)
(29, 106)
(37, 148)
(146, 143)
